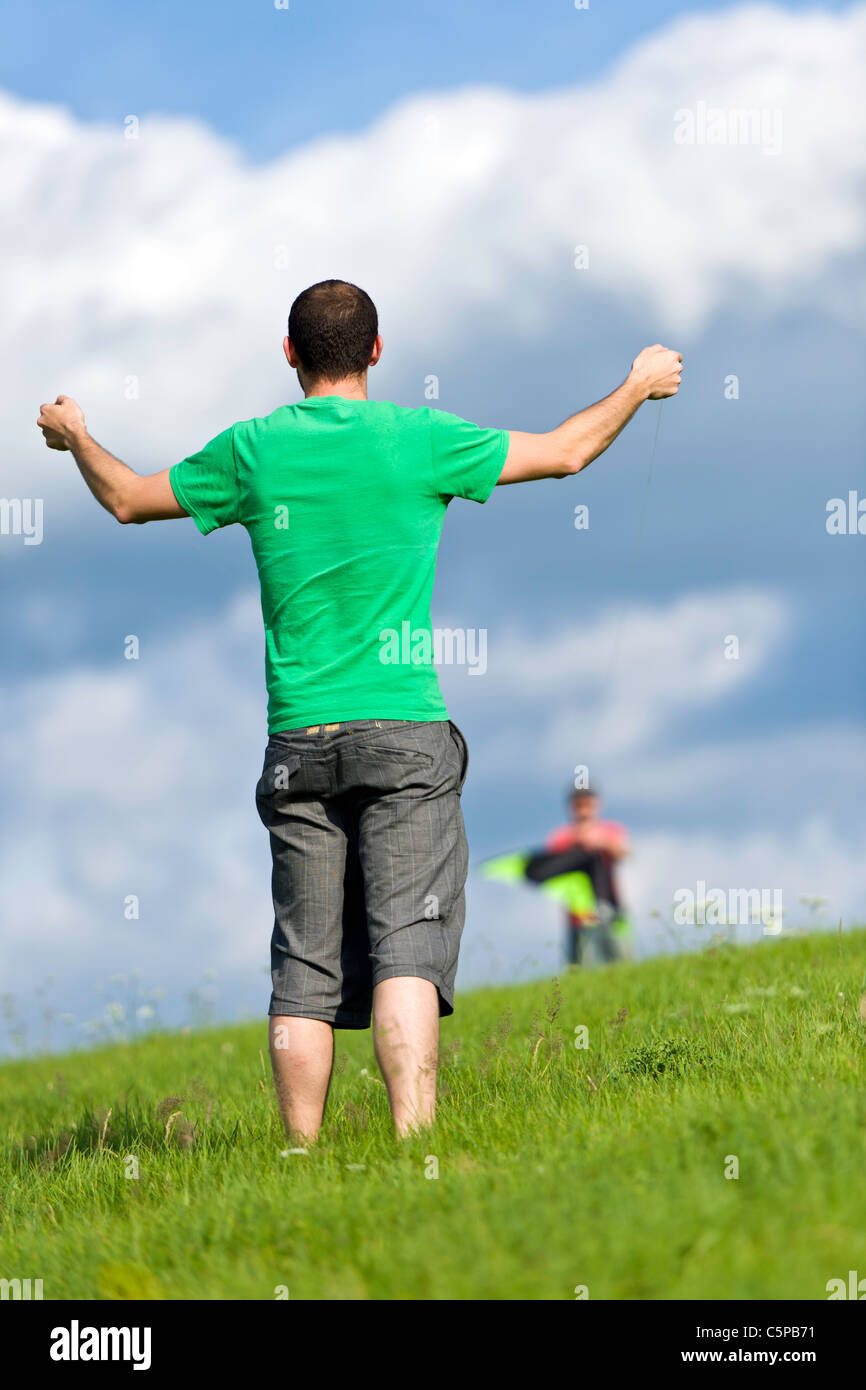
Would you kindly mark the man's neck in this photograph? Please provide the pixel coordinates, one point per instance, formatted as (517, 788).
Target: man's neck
(351, 389)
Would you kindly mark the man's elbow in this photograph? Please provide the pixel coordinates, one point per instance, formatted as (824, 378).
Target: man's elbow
(125, 513)
(567, 464)
(562, 459)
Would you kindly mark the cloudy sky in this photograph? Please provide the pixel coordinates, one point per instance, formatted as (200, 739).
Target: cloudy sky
(531, 194)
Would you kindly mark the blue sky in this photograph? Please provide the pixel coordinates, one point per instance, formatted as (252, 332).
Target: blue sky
(272, 79)
(450, 159)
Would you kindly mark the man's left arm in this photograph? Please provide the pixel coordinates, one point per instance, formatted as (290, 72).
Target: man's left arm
(125, 494)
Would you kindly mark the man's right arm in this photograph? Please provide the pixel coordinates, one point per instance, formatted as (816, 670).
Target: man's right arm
(124, 493)
(655, 374)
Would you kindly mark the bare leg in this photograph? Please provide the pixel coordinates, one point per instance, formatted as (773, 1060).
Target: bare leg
(406, 1041)
(302, 1055)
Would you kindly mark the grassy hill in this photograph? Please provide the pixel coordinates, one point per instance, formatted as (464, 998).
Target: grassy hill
(558, 1166)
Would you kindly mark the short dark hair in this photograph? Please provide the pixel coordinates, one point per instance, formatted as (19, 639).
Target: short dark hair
(333, 326)
(583, 793)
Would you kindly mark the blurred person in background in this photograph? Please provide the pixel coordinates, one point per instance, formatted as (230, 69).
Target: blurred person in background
(604, 843)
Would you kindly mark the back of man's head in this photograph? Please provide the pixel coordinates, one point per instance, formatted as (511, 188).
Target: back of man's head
(333, 327)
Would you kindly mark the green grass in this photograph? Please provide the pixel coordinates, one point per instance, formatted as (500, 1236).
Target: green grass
(558, 1166)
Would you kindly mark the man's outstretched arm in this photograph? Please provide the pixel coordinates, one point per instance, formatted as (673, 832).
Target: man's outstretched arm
(124, 493)
(655, 374)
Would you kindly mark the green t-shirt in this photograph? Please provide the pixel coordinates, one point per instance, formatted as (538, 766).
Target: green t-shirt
(344, 502)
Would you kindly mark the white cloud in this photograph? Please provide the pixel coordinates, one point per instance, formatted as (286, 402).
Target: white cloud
(155, 257)
(613, 684)
(138, 779)
(817, 860)
(753, 775)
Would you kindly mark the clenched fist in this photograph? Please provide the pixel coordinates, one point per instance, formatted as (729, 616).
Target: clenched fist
(61, 422)
(658, 371)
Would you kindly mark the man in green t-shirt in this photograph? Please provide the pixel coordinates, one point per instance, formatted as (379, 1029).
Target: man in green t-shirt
(343, 499)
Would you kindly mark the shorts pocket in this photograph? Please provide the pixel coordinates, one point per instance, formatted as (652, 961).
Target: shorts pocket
(406, 740)
(463, 750)
(280, 767)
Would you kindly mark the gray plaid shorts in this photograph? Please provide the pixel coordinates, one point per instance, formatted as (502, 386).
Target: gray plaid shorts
(369, 862)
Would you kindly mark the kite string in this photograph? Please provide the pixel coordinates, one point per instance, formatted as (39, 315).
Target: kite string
(619, 628)
(634, 559)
